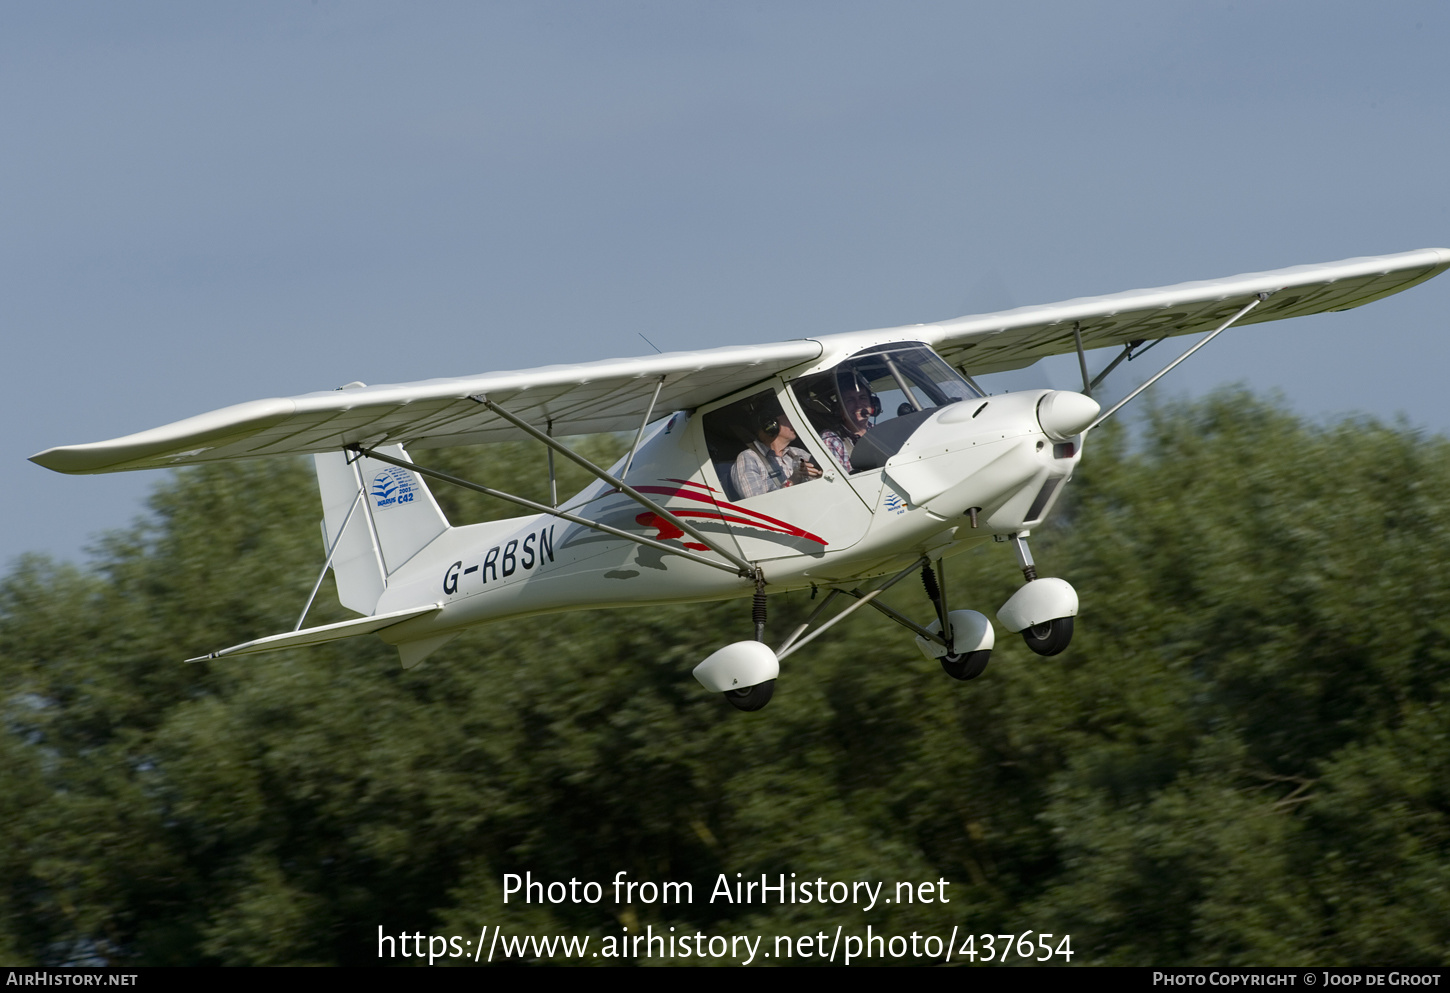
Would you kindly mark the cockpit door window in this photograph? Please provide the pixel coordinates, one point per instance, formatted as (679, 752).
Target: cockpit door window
(902, 382)
(779, 493)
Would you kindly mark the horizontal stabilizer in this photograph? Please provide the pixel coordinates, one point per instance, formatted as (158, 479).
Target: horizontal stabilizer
(318, 635)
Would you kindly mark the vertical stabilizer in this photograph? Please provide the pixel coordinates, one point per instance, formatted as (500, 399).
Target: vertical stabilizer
(392, 520)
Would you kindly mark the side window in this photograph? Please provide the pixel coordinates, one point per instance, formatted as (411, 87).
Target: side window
(755, 448)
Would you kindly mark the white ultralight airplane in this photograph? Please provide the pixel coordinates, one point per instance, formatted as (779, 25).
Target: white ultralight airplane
(846, 462)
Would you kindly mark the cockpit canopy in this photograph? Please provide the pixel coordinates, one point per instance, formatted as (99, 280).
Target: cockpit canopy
(862, 411)
(867, 406)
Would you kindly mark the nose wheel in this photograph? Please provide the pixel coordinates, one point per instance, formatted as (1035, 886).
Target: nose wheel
(1043, 609)
(1049, 637)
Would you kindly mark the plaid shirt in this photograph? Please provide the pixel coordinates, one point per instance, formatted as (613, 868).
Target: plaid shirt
(838, 448)
(759, 470)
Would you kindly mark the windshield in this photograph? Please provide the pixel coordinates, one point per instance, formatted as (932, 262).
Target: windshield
(901, 382)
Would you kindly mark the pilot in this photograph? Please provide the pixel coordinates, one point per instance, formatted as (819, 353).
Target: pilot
(853, 418)
(771, 462)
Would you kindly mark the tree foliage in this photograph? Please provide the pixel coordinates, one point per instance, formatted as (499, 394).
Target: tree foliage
(1243, 758)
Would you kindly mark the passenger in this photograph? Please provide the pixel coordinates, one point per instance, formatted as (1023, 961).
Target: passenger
(771, 461)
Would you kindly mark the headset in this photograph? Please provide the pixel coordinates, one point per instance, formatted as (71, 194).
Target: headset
(823, 395)
(765, 421)
(859, 384)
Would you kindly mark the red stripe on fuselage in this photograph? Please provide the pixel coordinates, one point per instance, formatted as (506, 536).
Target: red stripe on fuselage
(769, 523)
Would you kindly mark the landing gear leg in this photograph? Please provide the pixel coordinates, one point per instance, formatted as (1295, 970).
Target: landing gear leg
(744, 672)
(1043, 609)
(934, 594)
(1024, 555)
(958, 665)
(751, 698)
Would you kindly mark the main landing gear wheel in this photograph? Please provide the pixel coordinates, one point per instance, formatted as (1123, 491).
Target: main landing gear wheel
(751, 697)
(968, 665)
(1049, 637)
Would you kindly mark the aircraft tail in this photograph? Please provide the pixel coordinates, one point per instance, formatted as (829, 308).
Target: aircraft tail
(379, 515)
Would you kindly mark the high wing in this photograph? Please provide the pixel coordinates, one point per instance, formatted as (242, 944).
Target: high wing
(585, 398)
(1012, 339)
(614, 395)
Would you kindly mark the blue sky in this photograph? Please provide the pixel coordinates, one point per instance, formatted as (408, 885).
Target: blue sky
(204, 204)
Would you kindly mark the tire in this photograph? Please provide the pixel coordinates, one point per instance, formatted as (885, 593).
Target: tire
(1049, 637)
(751, 698)
(968, 665)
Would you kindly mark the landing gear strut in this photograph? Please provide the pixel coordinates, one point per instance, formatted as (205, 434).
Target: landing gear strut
(968, 634)
(752, 698)
(1043, 609)
(744, 672)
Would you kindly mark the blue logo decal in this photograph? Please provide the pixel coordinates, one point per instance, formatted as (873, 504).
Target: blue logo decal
(895, 504)
(391, 487)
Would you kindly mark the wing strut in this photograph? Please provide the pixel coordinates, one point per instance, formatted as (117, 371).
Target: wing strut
(1126, 353)
(629, 460)
(746, 568)
(1258, 299)
(1087, 386)
(553, 483)
(551, 511)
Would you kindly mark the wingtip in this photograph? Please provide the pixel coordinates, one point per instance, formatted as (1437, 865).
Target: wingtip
(49, 459)
(73, 460)
(178, 443)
